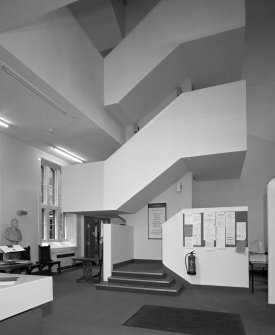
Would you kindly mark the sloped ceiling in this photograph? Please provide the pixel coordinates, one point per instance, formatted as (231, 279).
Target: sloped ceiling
(15, 13)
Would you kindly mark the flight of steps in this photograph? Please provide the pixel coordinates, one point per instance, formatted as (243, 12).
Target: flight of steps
(142, 278)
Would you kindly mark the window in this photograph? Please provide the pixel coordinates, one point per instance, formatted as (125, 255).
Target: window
(53, 227)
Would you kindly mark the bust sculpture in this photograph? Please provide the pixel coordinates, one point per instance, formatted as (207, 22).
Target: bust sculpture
(13, 234)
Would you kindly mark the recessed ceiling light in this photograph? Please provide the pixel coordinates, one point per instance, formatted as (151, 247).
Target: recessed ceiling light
(68, 154)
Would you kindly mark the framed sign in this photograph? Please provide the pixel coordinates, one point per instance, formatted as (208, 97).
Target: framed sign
(156, 217)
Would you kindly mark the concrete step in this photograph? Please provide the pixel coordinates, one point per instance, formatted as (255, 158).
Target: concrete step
(156, 282)
(171, 291)
(139, 274)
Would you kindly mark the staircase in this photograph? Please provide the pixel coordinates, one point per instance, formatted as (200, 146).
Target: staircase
(142, 277)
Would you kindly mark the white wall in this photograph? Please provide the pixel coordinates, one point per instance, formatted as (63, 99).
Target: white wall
(170, 23)
(271, 244)
(20, 189)
(250, 189)
(83, 187)
(217, 124)
(219, 267)
(57, 50)
(259, 166)
(145, 248)
(118, 246)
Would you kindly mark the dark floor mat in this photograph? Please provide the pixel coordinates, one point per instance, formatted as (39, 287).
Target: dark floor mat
(187, 321)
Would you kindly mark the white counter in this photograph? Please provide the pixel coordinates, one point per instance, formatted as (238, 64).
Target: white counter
(28, 292)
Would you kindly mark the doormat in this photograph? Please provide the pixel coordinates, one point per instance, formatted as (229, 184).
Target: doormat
(186, 321)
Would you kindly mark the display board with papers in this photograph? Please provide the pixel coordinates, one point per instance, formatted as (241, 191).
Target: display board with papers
(219, 229)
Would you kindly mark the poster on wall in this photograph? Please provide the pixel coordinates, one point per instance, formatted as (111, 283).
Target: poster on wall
(156, 217)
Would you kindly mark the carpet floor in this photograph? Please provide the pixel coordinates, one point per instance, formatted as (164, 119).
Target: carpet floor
(80, 309)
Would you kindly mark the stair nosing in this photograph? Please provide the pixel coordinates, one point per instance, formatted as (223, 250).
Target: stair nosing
(174, 290)
(142, 280)
(156, 274)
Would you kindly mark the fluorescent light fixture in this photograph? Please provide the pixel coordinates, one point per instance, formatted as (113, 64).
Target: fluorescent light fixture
(4, 124)
(40, 94)
(68, 154)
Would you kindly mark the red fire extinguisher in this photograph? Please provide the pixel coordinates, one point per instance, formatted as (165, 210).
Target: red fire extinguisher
(191, 263)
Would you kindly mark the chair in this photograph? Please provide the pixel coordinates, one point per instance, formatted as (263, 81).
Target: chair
(45, 260)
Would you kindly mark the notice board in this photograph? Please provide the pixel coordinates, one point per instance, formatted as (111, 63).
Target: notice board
(220, 229)
(156, 216)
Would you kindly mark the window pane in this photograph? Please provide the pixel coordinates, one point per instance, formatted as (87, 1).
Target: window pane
(43, 224)
(52, 230)
(62, 227)
(42, 185)
(52, 196)
(51, 177)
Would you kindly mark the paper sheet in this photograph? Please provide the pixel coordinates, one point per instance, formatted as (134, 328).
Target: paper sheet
(189, 242)
(220, 230)
(241, 231)
(209, 231)
(197, 234)
(230, 228)
(196, 218)
(11, 248)
(188, 218)
(209, 245)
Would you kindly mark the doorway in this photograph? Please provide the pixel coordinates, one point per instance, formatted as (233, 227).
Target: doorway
(92, 235)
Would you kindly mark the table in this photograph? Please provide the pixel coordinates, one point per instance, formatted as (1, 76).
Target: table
(88, 268)
(6, 267)
(256, 259)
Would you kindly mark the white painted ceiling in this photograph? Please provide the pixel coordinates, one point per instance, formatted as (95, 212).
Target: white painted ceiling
(100, 22)
(15, 13)
(39, 124)
(209, 61)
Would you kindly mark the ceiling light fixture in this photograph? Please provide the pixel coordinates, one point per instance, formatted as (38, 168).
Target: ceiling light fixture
(4, 124)
(68, 154)
(22, 81)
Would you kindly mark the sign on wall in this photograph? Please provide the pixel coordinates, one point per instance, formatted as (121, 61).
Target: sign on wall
(156, 217)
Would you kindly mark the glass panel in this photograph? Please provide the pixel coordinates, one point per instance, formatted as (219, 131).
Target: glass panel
(52, 230)
(52, 196)
(43, 224)
(51, 177)
(62, 227)
(42, 185)
(51, 184)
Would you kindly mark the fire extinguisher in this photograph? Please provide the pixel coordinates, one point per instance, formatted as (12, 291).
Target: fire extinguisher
(191, 263)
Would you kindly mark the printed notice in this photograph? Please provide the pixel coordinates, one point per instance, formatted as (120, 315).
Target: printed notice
(156, 217)
(209, 231)
(209, 245)
(196, 219)
(189, 242)
(220, 230)
(197, 234)
(241, 231)
(188, 218)
(230, 228)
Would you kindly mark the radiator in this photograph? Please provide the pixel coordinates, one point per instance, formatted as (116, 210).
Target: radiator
(65, 258)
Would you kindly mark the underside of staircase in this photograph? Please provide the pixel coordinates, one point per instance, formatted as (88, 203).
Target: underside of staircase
(139, 276)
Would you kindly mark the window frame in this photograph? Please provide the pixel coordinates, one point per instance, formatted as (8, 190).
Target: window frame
(46, 205)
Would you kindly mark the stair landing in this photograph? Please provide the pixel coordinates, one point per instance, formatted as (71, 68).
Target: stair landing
(142, 277)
